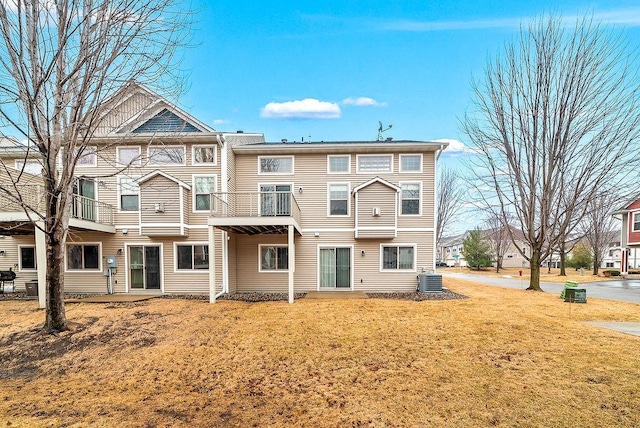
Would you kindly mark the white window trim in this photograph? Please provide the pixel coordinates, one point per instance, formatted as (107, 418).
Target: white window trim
(348, 199)
(203, 146)
(35, 259)
(272, 183)
(160, 245)
(66, 266)
(401, 171)
(415, 258)
(193, 191)
(137, 162)
(25, 163)
(88, 151)
(420, 203)
(175, 257)
(635, 218)
(169, 146)
(351, 267)
(348, 171)
(373, 155)
(260, 259)
(133, 177)
(277, 173)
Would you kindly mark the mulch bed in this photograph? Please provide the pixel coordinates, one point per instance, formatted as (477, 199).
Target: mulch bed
(418, 296)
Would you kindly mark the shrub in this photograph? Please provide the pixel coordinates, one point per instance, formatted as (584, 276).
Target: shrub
(611, 272)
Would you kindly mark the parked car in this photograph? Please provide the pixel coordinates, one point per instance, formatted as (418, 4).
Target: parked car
(441, 264)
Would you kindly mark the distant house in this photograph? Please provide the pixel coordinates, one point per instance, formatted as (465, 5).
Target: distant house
(630, 234)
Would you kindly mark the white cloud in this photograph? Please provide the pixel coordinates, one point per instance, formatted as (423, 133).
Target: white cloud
(220, 121)
(455, 146)
(363, 102)
(309, 108)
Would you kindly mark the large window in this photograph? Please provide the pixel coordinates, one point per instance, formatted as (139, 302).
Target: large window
(339, 164)
(398, 257)
(83, 257)
(274, 258)
(129, 194)
(204, 154)
(275, 164)
(338, 199)
(410, 198)
(88, 157)
(27, 258)
(203, 187)
(192, 257)
(128, 156)
(31, 166)
(375, 163)
(411, 163)
(636, 222)
(166, 155)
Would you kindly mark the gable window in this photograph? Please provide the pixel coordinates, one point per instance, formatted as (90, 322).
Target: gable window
(192, 257)
(275, 164)
(338, 164)
(274, 258)
(83, 257)
(27, 258)
(338, 199)
(410, 198)
(88, 157)
(129, 194)
(411, 163)
(375, 163)
(203, 187)
(204, 154)
(166, 155)
(31, 166)
(398, 257)
(128, 156)
(636, 222)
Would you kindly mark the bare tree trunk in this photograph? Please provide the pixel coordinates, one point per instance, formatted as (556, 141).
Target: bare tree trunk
(56, 318)
(534, 280)
(563, 261)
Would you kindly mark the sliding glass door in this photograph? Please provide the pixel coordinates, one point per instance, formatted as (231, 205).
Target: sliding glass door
(335, 268)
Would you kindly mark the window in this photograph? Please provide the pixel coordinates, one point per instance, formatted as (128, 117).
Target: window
(192, 257)
(27, 258)
(636, 222)
(274, 258)
(166, 155)
(400, 257)
(411, 163)
(375, 163)
(339, 164)
(275, 165)
(129, 194)
(128, 156)
(31, 166)
(338, 199)
(203, 187)
(410, 198)
(83, 256)
(88, 157)
(275, 199)
(204, 154)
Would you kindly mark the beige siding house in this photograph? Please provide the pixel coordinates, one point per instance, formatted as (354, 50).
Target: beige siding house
(166, 204)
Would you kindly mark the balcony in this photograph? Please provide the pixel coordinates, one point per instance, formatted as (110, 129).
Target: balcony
(253, 213)
(85, 213)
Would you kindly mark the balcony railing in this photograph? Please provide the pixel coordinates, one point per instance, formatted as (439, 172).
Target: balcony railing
(255, 204)
(32, 196)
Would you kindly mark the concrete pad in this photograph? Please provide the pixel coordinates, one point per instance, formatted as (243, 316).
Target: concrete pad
(336, 295)
(114, 298)
(622, 327)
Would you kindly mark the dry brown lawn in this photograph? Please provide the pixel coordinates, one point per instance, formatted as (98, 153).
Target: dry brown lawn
(501, 357)
(545, 275)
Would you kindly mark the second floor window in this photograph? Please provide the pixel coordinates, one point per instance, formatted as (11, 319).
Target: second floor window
(204, 154)
(410, 198)
(31, 166)
(88, 157)
(411, 163)
(636, 222)
(129, 194)
(375, 163)
(275, 164)
(339, 199)
(128, 156)
(204, 186)
(166, 155)
(338, 164)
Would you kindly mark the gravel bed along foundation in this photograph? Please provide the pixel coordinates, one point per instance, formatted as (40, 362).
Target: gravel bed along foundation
(418, 296)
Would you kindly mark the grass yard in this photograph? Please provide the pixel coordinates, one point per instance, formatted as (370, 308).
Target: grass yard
(501, 357)
(545, 274)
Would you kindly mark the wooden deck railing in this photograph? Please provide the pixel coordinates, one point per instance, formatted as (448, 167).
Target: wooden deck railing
(255, 204)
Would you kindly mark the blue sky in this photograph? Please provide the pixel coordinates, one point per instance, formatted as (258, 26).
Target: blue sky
(331, 70)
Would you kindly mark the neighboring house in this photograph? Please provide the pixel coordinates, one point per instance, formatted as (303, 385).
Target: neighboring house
(450, 252)
(629, 235)
(161, 194)
(613, 257)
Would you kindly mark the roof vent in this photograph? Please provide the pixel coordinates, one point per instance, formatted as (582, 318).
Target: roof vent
(389, 138)
(284, 140)
(239, 131)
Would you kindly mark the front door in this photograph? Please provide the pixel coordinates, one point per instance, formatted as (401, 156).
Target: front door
(144, 267)
(84, 204)
(335, 268)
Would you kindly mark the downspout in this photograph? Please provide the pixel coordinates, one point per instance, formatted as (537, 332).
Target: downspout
(224, 188)
(435, 207)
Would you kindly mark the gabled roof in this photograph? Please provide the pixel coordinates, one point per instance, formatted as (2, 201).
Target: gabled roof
(627, 205)
(165, 121)
(156, 173)
(376, 180)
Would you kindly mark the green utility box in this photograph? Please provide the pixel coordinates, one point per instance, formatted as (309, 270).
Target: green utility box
(567, 285)
(575, 295)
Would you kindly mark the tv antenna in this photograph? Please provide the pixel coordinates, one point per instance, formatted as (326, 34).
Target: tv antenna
(382, 129)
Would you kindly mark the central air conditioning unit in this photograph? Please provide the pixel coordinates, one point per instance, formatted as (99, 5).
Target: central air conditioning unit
(376, 211)
(159, 207)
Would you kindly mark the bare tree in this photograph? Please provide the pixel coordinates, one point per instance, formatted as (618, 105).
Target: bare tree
(60, 61)
(449, 199)
(599, 226)
(555, 122)
(498, 237)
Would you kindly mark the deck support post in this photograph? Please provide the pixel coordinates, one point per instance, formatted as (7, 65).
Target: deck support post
(292, 260)
(212, 264)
